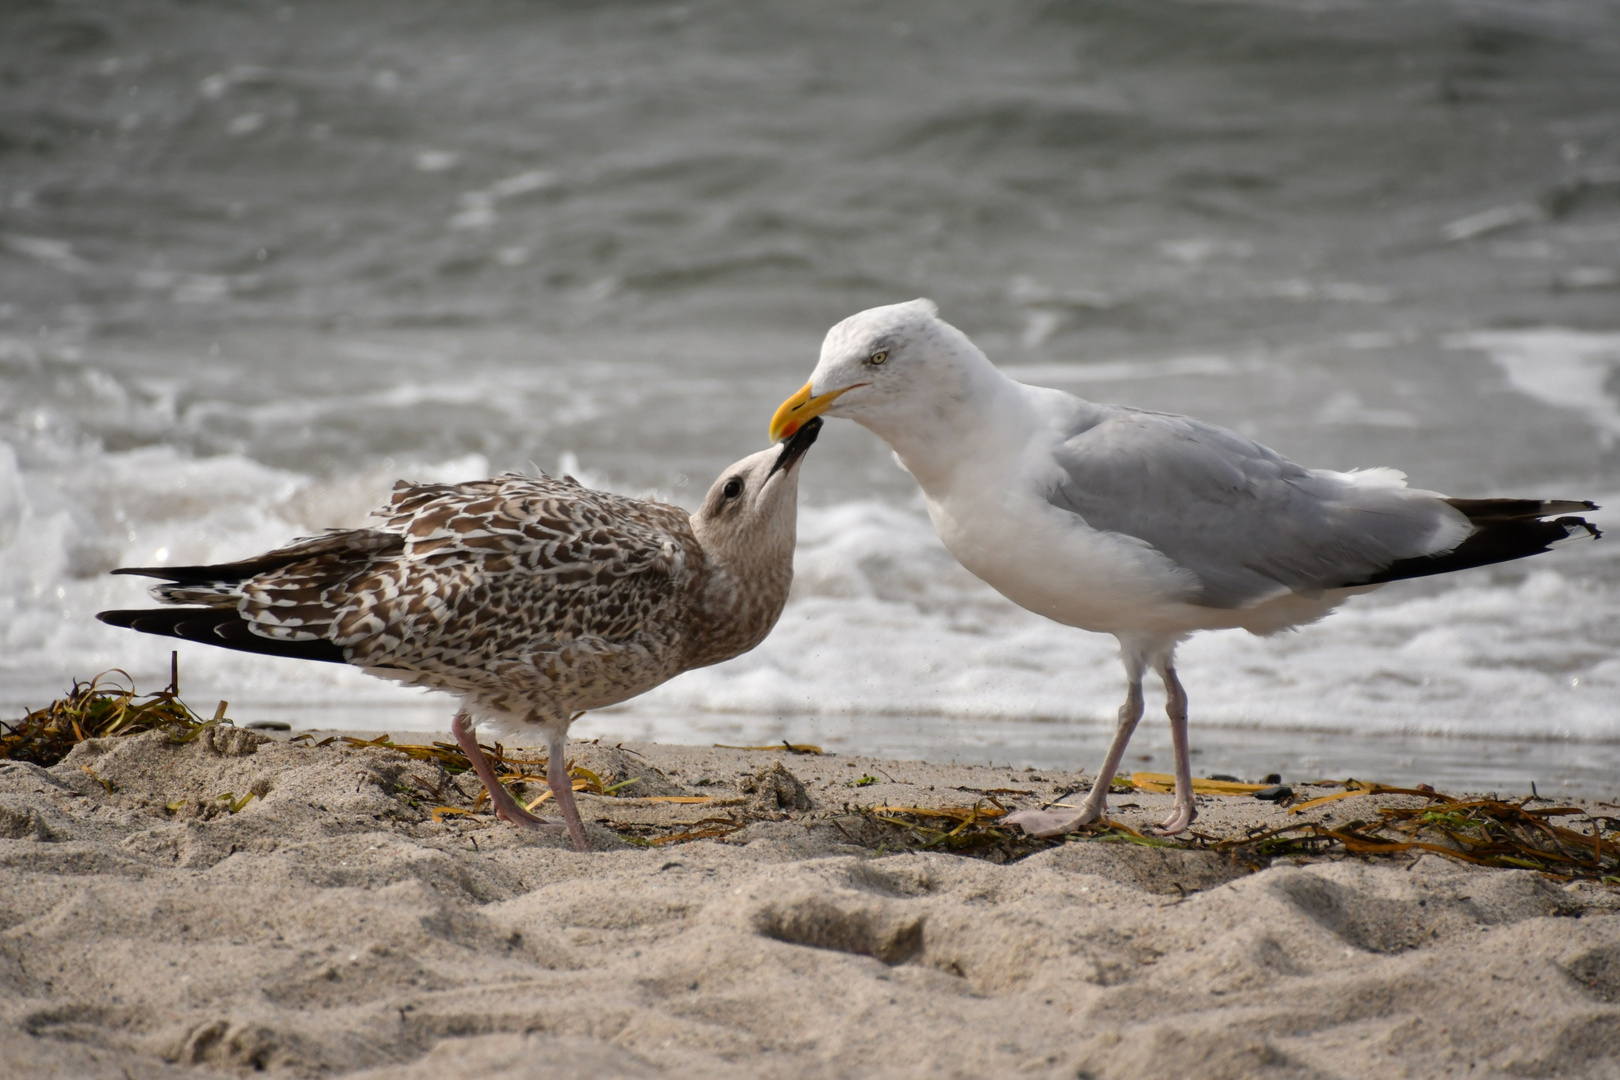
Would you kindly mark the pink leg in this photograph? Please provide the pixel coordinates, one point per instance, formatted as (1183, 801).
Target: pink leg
(1095, 804)
(562, 787)
(1175, 706)
(506, 807)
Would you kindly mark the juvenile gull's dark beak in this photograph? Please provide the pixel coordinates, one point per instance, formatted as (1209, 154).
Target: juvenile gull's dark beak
(794, 446)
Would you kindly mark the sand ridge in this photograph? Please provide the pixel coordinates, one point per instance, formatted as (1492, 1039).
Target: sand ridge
(330, 927)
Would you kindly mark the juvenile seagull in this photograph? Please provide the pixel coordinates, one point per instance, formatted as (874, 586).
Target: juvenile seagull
(531, 599)
(1143, 525)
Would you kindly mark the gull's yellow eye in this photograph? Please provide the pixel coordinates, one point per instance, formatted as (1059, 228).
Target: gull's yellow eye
(878, 357)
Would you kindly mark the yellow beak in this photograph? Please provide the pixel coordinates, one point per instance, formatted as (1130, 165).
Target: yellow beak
(792, 413)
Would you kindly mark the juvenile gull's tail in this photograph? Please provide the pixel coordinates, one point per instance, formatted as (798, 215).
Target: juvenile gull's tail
(222, 627)
(206, 599)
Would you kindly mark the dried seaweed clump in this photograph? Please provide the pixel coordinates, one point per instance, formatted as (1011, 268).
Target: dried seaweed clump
(969, 830)
(1485, 832)
(102, 707)
(1565, 843)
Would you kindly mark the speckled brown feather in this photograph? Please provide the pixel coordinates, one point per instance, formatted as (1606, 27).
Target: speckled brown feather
(518, 593)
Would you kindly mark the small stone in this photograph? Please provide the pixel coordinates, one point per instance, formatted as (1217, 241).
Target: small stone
(1275, 793)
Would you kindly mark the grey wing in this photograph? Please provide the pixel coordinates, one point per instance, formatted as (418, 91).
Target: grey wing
(502, 567)
(1249, 523)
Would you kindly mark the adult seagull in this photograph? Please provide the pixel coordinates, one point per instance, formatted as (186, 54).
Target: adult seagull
(1144, 525)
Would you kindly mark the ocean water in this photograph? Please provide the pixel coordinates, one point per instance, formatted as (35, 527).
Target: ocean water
(259, 260)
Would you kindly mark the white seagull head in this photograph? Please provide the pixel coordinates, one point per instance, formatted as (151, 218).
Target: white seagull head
(901, 361)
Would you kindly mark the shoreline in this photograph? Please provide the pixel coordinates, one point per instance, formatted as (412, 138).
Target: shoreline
(1465, 762)
(1569, 768)
(328, 925)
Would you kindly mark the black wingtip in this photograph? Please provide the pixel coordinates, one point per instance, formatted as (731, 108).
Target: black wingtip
(186, 575)
(1481, 511)
(222, 627)
(179, 575)
(1504, 530)
(1574, 523)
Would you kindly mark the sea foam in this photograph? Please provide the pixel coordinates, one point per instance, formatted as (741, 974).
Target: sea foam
(881, 622)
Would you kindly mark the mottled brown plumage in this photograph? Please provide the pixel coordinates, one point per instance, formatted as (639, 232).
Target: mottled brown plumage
(532, 599)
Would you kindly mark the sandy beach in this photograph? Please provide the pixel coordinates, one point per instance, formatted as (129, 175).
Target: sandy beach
(155, 924)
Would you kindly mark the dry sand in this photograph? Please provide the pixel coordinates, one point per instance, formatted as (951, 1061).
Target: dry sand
(330, 927)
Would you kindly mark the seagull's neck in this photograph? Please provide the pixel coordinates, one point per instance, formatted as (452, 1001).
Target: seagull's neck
(742, 592)
(985, 418)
